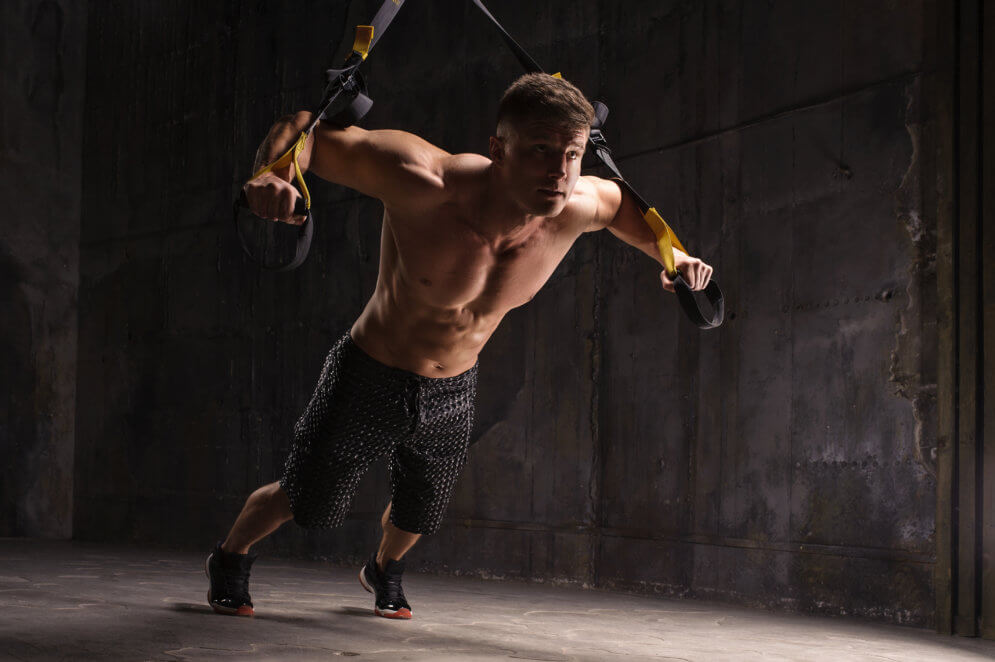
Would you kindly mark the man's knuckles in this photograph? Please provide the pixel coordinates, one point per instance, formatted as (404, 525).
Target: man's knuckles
(274, 200)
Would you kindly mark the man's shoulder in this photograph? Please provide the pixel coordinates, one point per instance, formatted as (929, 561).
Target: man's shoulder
(464, 165)
(464, 174)
(592, 202)
(412, 149)
(593, 185)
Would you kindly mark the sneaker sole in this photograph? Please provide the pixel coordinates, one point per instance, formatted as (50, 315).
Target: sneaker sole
(244, 610)
(403, 614)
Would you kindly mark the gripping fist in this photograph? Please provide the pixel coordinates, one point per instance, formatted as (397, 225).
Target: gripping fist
(694, 271)
(273, 198)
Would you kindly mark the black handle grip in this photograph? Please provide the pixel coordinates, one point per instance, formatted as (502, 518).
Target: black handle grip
(275, 235)
(712, 292)
(300, 207)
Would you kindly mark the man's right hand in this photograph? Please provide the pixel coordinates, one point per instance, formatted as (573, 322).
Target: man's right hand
(273, 198)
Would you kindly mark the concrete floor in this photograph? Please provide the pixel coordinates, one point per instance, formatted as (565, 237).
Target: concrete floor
(76, 601)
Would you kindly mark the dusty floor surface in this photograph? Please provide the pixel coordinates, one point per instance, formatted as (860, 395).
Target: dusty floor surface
(77, 601)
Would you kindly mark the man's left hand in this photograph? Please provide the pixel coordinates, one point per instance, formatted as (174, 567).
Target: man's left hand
(695, 272)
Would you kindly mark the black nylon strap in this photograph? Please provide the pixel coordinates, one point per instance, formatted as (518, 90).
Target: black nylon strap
(530, 65)
(345, 101)
(388, 10)
(685, 295)
(347, 81)
(304, 235)
(346, 96)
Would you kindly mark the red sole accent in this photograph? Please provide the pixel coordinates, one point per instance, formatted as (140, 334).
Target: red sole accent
(241, 611)
(400, 613)
(244, 610)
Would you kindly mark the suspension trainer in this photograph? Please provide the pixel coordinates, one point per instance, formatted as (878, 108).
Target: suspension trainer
(283, 247)
(345, 102)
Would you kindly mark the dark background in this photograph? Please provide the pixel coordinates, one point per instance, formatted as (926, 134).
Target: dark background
(151, 373)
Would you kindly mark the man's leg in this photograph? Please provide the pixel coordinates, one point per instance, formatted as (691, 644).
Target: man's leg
(395, 542)
(383, 579)
(229, 564)
(265, 510)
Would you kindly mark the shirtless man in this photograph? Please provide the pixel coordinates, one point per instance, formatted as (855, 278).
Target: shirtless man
(465, 239)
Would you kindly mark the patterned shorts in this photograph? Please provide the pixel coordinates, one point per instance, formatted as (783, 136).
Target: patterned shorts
(362, 410)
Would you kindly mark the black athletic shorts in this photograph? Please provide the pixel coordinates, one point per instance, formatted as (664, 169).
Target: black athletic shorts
(362, 410)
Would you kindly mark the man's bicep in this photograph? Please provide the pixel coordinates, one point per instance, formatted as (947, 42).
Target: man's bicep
(384, 164)
(623, 218)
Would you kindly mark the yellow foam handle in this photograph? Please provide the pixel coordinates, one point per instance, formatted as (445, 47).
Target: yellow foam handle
(666, 240)
(364, 37)
(291, 156)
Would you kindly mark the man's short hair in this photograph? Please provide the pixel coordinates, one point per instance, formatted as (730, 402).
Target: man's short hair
(544, 98)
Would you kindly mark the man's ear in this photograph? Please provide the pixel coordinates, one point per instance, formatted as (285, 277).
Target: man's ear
(496, 149)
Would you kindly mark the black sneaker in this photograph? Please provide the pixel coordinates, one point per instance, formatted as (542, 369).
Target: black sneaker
(229, 575)
(386, 586)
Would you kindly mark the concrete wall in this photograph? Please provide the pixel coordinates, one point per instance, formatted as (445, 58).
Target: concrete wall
(783, 460)
(41, 87)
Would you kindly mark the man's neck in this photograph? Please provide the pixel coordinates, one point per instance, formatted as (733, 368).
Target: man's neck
(499, 218)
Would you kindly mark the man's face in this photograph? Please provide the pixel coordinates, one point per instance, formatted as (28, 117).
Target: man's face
(541, 163)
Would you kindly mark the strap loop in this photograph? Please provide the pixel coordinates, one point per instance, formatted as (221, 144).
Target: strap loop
(666, 240)
(290, 156)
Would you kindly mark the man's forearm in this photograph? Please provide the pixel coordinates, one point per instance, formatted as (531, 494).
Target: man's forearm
(280, 138)
(628, 225)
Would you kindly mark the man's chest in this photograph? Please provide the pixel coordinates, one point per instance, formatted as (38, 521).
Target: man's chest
(447, 263)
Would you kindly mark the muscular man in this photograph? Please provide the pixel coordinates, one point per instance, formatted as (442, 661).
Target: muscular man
(465, 239)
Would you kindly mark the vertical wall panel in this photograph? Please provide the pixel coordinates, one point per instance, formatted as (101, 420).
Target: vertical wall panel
(987, 345)
(41, 96)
